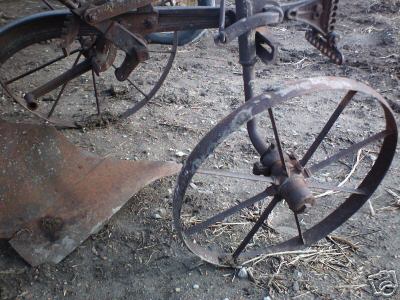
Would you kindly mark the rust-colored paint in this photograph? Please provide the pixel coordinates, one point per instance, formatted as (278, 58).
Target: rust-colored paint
(53, 195)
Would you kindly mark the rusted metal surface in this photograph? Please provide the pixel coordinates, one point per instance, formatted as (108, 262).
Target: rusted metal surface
(98, 60)
(63, 211)
(53, 195)
(112, 8)
(266, 47)
(67, 76)
(320, 14)
(247, 24)
(125, 28)
(293, 187)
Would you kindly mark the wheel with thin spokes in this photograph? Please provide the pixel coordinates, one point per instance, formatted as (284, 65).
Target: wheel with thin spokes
(303, 188)
(65, 90)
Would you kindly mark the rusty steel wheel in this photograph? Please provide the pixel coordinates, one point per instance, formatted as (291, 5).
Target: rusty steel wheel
(31, 56)
(290, 200)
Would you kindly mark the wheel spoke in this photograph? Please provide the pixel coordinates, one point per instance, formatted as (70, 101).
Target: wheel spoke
(226, 213)
(250, 177)
(40, 67)
(62, 89)
(323, 186)
(256, 226)
(277, 140)
(157, 86)
(48, 4)
(96, 94)
(162, 51)
(351, 149)
(299, 229)
(237, 175)
(134, 85)
(58, 81)
(327, 127)
(138, 89)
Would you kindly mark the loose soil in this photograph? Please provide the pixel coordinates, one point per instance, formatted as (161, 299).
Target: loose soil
(138, 256)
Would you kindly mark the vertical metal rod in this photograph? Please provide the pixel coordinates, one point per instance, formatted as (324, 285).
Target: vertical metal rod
(62, 89)
(222, 15)
(256, 227)
(247, 55)
(41, 67)
(48, 4)
(318, 140)
(96, 95)
(299, 229)
(278, 141)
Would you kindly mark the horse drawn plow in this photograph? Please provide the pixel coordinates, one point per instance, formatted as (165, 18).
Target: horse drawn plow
(72, 193)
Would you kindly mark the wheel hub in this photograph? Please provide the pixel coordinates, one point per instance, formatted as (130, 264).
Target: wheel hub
(292, 187)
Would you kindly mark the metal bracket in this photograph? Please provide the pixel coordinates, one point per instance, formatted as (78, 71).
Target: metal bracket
(134, 46)
(112, 8)
(106, 53)
(320, 14)
(71, 4)
(266, 48)
(69, 33)
(327, 45)
(246, 24)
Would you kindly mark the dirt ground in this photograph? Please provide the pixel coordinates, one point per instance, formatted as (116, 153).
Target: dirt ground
(138, 255)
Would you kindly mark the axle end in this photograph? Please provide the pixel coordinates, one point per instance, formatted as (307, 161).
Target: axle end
(30, 101)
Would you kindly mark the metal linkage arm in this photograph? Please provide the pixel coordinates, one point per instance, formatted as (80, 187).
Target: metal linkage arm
(71, 4)
(319, 14)
(246, 24)
(112, 8)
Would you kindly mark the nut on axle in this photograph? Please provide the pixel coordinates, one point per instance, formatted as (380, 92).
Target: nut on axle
(292, 187)
(30, 101)
(295, 191)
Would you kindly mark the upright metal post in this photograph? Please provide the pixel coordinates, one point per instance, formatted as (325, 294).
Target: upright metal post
(247, 56)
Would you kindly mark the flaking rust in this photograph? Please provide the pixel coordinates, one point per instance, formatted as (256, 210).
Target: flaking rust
(54, 195)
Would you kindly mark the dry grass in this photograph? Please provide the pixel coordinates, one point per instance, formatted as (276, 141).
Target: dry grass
(272, 271)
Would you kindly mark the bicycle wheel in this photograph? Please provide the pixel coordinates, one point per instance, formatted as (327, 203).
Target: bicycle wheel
(32, 56)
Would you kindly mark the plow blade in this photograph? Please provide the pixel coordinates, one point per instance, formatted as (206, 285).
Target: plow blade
(54, 195)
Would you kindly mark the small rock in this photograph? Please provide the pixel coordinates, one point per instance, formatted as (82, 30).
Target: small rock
(95, 251)
(226, 299)
(157, 216)
(162, 212)
(298, 274)
(117, 90)
(267, 298)
(196, 286)
(180, 153)
(388, 37)
(296, 286)
(243, 273)
(177, 290)
(346, 47)
(372, 157)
